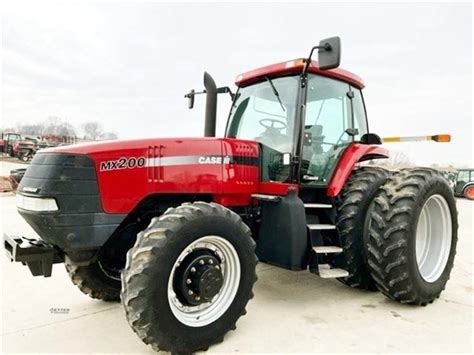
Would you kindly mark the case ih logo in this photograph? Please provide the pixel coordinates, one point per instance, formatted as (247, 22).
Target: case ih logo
(123, 163)
(214, 160)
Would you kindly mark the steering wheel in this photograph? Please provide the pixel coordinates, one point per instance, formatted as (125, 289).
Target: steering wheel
(272, 123)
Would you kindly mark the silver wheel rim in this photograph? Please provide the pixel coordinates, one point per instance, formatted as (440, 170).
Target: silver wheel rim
(115, 274)
(433, 238)
(206, 313)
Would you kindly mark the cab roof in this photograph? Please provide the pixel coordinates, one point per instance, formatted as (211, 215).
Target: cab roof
(293, 67)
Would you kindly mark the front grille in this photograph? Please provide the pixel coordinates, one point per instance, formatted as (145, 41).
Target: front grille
(71, 179)
(80, 223)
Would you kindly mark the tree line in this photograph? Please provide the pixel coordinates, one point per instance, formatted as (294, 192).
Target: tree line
(53, 125)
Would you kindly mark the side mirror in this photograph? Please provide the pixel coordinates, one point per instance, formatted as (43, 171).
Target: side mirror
(190, 97)
(329, 53)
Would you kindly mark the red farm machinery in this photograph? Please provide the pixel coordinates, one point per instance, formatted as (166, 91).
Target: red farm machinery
(174, 227)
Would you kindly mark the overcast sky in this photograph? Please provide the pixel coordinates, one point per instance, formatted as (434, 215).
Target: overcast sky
(128, 65)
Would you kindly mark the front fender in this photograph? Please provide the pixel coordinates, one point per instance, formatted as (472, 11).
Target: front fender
(353, 154)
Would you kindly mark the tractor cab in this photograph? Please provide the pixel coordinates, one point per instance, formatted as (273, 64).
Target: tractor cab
(7, 141)
(302, 123)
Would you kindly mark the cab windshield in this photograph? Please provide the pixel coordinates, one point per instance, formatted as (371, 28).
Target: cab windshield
(265, 112)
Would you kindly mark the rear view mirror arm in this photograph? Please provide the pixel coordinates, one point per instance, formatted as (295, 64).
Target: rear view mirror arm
(223, 90)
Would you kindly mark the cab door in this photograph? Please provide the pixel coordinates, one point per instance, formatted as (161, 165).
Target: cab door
(334, 118)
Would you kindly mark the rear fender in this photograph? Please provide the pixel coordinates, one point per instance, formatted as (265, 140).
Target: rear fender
(353, 154)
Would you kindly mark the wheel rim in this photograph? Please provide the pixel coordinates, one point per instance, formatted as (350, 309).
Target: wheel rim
(470, 192)
(433, 238)
(110, 272)
(207, 312)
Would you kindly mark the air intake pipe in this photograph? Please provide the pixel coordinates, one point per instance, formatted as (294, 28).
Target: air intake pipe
(211, 106)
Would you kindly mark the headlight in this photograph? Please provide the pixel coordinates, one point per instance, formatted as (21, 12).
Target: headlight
(37, 204)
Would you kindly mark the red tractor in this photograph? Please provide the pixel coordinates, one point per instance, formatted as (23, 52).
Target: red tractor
(174, 227)
(15, 146)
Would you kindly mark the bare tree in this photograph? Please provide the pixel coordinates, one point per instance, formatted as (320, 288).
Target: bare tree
(397, 159)
(92, 130)
(31, 129)
(53, 125)
(109, 135)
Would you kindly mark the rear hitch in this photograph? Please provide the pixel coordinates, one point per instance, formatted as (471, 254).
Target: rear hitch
(36, 254)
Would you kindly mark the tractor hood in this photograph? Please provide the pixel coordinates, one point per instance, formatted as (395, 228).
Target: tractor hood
(120, 145)
(127, 171)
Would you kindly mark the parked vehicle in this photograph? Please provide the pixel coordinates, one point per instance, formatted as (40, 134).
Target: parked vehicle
(173, 227)
(464, 186)
(7, 142)
(15, 145)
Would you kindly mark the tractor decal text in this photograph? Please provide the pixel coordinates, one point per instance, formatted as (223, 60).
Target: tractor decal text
(214, 160)
(123, 163)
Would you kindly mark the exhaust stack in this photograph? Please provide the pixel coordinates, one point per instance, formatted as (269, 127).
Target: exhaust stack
(211, 106)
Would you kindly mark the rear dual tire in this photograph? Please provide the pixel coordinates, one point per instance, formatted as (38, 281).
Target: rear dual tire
(351, 222)
(412, 236)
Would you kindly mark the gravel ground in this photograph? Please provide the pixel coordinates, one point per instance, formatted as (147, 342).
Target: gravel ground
(291, 311)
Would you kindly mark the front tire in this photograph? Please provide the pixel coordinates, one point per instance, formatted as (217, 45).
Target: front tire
(189, 277)
(412, 236)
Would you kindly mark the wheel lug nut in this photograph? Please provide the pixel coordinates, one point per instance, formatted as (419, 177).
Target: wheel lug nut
(190, 292)
(210, 261)
(188, 281)
(193, 269)
(201, 262)
(197, 298)
(218, 267)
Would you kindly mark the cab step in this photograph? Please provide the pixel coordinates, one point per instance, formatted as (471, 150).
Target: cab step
(317, 205)
(321, 226)
(325, 272)
(327, 249)
(267, 198)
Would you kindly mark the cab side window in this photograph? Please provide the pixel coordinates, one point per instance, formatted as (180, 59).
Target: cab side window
(360, 118)
(463, 176)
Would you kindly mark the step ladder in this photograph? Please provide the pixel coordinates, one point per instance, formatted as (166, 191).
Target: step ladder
(325, 271)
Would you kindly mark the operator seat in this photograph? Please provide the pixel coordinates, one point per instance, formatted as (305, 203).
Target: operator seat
(317, 138)
(273, 138)
(314, 155)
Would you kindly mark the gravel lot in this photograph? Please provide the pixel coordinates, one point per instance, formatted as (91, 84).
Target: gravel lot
(291, 311)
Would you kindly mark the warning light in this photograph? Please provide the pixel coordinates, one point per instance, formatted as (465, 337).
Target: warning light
(442, 138)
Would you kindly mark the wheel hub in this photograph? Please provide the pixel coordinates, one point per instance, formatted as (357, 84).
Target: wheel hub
(199, 278)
